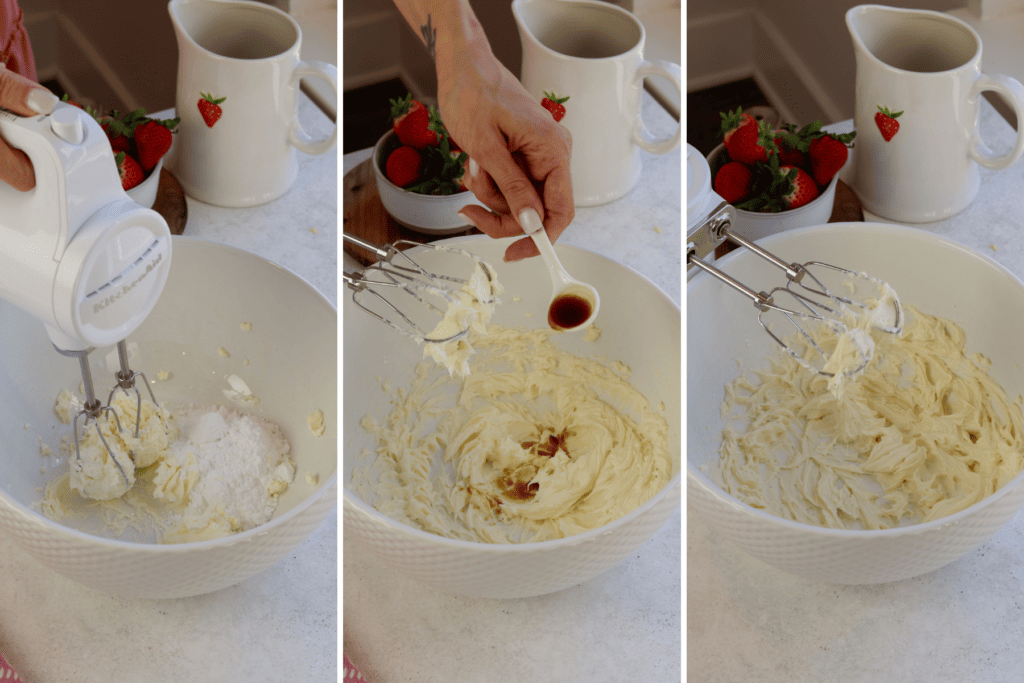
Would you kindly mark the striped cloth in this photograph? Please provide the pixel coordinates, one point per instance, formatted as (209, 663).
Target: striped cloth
(15, 50)
(350, 675)
(8, 674)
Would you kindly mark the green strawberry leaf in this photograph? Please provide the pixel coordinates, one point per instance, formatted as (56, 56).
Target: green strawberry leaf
(401, 106)
(435, 124)
(766, 137)
(730, 119)
(555, 98)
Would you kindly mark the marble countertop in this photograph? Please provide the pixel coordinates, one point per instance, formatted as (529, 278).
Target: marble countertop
(622, 625)
(278, 625)
(747, 621)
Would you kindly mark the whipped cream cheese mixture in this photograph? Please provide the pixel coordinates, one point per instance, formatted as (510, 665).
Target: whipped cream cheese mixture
(502, 437)
(534, 444)
(471, 310)
(855, 347)
(194, 474)
(921, 433)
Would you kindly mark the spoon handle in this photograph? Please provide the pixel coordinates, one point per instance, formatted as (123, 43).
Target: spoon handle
(529, 221)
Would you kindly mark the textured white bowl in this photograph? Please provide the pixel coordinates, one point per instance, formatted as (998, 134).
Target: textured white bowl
(935, 274)
(754, 225)
(292, 349)
(629, 304)
(429, 214)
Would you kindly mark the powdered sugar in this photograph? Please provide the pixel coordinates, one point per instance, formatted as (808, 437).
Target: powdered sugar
(200, 472)
(242, 464)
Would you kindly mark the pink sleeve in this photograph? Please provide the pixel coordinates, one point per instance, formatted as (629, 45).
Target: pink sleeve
(15, 50)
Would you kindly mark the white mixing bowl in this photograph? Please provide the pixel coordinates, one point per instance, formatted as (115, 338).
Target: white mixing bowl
(936, 275)
(292, 351)
(639, 325)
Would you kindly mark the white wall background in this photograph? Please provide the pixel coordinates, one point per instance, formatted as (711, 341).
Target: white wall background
(799, 51)
(378, 45)
(122, 54)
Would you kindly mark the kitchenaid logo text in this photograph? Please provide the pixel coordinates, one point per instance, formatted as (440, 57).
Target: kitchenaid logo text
(106, 301)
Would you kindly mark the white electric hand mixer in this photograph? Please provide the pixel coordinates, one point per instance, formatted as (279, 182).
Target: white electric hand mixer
(76, 252)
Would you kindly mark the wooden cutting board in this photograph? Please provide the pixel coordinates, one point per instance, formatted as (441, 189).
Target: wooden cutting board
(365, 216)
(847, 206)
(170, 202)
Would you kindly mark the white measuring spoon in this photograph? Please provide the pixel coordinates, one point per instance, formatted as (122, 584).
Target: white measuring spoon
(573, 304)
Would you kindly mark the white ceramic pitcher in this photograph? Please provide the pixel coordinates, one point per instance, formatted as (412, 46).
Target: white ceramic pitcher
(592, 53)
(237, 97)
(917, 161)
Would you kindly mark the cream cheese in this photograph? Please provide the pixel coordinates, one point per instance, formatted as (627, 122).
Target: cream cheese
(923, 433)
(471, 309)
(535, 444)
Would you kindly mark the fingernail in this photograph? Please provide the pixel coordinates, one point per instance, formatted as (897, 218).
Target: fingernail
(467, 219)
(41, 101)
(474, 168)
(529, 221)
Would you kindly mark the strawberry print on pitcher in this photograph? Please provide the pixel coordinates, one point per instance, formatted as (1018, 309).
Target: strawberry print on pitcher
(887, 124)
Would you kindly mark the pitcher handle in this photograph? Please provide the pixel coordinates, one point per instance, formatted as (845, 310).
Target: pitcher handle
(328, 73)
(641, 136)
(1013, 92)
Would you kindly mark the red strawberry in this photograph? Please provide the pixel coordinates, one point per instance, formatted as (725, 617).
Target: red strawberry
(129, 169)
(443, 169)
(120, 128)
(887, 124)
(119, 142)
(403, 166)
(554, 104)
(804, 190)
(745, 140)
(411, 123)
(791, 156)
(733, 181)
(209, 107)
(793, 144)
(153, 140)
(828, 155)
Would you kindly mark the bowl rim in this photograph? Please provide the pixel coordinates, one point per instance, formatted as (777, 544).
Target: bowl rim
(697, 478)
(153, 173)
(378, 148)
(329, 484)
(674, 484)
(830, 188)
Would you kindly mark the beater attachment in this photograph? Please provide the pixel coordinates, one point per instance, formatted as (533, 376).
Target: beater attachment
(92, 409)
(126, 382)
(401, 293)
(841, 306)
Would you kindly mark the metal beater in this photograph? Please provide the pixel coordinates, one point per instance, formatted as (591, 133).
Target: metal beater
(395, 275)
(76, 252)
(812, 303)
(126, 380)
(92, 409)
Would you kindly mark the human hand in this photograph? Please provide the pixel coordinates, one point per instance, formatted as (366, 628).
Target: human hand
(25, 98)
(519, 155)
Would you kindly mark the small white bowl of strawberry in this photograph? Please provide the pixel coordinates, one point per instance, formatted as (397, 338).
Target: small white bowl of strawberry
(777, 180)
(419, 171)
(139, 144)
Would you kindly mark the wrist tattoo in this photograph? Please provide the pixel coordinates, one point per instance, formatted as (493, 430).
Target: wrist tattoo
(429, 36)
